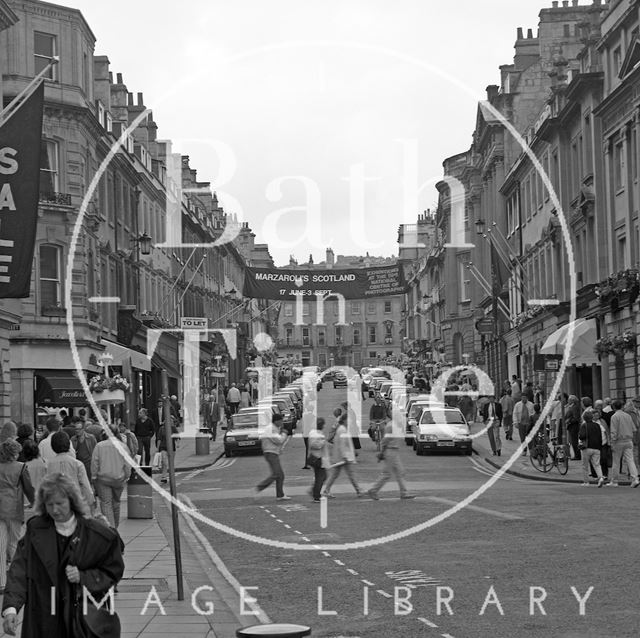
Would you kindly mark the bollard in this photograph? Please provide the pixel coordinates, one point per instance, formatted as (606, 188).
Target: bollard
(202, 443)
(139, 494)
(277, 630)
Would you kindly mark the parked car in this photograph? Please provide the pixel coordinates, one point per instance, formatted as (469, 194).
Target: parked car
(284, 404)
(442, 429)
(339, 379)
(243, 431)
(370, 375)
(414, 414)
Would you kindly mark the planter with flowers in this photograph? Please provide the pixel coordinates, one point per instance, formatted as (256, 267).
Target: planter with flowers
(616, 345)
(106, 389)
(619, 289)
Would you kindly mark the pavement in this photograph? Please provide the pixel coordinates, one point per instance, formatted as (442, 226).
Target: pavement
(521, 465)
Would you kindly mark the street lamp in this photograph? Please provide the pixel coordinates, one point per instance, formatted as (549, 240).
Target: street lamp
(480, 227)
(144, 242)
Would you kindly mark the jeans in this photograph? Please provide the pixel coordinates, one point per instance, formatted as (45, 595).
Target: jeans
(9, 535)
(348, 468)
(110, 496)
(572, 434)
(319, 476)
(276, 475)
(623, 450)
(593, 456)
(144, 449)
(392, 467)
(522, 431)
(306, 450)
(507, 424)
(494, 436)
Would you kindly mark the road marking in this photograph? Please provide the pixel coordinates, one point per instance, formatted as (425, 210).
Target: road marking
(382, 592)
(428, 623)
(447, 636)
(338, 562)
(369, 583)
(297, 531)
(327, 554)
(353, 572)
(323, 511)
(287, 526)
(482, 510)
(211, 489)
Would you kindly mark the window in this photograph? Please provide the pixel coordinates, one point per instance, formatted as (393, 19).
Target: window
(305, 309)
(322, 360)
(321, 341)
(372, 334)
(617, 60)
(306, 341)
(357, 359)
(371, 308)
(464, 282)
(622, 252)
(387, 307)
(547, 168)
(373, 355)
(618, 166)
(355, 307)
(356, 337)
(289, 336)
(50, 280)
(388, 332)
(44, 48)
(49, 182)
(389, 353)
(288, 310)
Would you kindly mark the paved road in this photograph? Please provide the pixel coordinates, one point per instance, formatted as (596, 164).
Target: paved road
(487, 558)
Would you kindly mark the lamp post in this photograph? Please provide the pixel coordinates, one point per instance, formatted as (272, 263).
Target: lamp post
(143, 242)
(480, 226)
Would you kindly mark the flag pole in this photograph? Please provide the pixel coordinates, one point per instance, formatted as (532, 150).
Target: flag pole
(11, 108)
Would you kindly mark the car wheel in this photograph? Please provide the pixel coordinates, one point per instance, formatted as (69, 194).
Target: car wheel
(413, 443)
(408, 441)
(418, 450)
(227, 453)
(468, 452)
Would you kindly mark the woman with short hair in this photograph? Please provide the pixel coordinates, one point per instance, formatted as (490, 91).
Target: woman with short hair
(62, 553)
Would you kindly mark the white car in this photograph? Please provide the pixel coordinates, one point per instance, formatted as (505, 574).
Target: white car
(442, 429)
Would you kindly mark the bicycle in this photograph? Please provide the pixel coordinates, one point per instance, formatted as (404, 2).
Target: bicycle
(378, 434)
(547, 453)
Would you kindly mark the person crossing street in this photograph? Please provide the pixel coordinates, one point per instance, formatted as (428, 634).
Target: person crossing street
(273, 440)
(492, 417)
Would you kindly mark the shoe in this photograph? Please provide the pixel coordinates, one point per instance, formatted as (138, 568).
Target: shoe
(283, 498)
(584, 484)
(635, 483)
(601, 481)
(493, 453)
(1, 591)
(163, 480)
(407, 496)
(315, 500)
(305, 467)
(612, 484)
(360, 493)
(373, 495)
(327, 495)
(499, 452)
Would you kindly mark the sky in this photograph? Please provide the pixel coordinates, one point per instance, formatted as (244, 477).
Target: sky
(320, 123)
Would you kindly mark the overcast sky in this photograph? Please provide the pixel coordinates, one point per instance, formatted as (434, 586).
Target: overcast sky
(308, 116)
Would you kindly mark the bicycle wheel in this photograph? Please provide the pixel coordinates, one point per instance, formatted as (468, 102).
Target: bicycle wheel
(561, 459)
(540, 456)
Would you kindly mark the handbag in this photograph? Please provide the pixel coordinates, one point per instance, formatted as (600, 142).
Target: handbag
(98, 622)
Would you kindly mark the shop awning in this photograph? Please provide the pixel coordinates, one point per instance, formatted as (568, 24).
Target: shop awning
(120, 354)
(163, 364)
(584, 342)
(59, 388)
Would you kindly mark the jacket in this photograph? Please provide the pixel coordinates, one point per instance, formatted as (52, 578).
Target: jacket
(272, 441)
(485, 410)
(64, 463)
(109, 466)
(590, 433)
(318, 447)
(36, 567)
(343, 445)
(144, 427)
(15, 484)
(622, 427)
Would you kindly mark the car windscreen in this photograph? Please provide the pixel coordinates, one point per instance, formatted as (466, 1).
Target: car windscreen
(245, 421)
(442, 416)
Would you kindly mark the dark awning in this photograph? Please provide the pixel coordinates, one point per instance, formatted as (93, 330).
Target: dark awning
(59, 388)
(163, 364)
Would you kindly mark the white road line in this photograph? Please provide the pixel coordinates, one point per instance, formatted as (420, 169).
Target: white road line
(279, 520)
(447, 636)
(369, 583)
(338, 562)
(327, 554)
(222, 568)
(482, 510)
(298, 532)
(287, 526)
(304, 538)
(428, 623)
(382, 592)
(353, 572)
(323, 511)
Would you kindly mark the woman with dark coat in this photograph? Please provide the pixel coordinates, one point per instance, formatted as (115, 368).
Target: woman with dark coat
(61, 554)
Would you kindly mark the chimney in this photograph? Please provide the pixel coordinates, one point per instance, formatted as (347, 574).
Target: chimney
(330, 258)
(119, 78)
(140, 99)
(492, 92)
(129, 99)
(554, 4)
(529, 34)
(520, 33)
(565, 3)
(111, 77)
(575, 3)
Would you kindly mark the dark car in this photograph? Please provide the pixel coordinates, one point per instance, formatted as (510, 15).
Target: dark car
(339, 379)
(243, 432)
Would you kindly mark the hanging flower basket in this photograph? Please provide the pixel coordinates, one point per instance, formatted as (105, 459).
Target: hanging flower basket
(616, 345)
(108, 396)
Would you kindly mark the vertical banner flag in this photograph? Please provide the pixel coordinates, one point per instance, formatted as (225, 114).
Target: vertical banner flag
(20, 139)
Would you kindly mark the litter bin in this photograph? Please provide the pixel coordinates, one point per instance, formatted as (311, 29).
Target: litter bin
(139, 494)
(202, 443)
(277, 630)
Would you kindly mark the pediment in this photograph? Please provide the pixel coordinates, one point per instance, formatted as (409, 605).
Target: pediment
(631, 59)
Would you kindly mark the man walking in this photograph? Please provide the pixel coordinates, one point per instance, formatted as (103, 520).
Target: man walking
(345, 457)
(506, 404)
(591, 441)
(273, 440)
(390, 455)
(622, 433)
(319, 458)
(144, 429)
(522, 419)
(492, 417)
(233, 398)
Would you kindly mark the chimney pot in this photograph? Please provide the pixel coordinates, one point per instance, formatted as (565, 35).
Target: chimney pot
(140, 99)
(492, 91)
(520, 34)
(555, 4)
(575, 3)
(565, 3)
(110, 77)
(530, 34)
(119, 78)
(129, 99)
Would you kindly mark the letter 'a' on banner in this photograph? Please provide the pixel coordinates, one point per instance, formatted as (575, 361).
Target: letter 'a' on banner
(20, 140)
